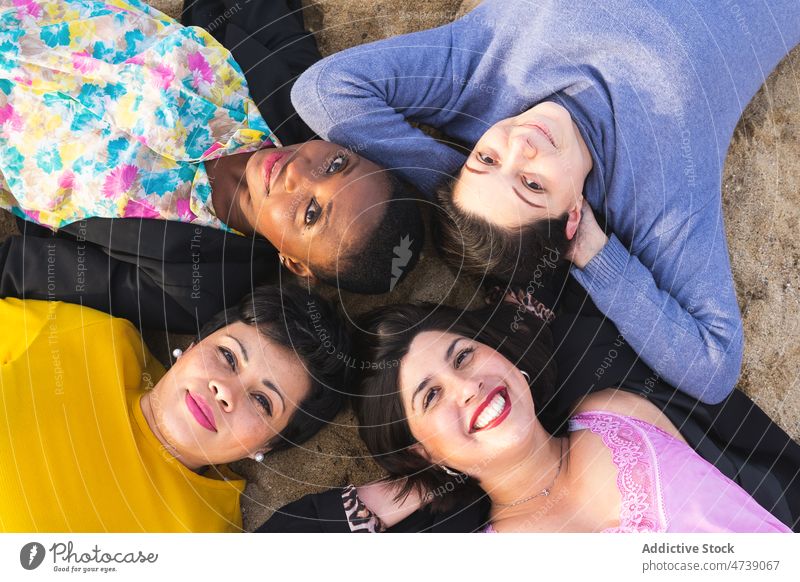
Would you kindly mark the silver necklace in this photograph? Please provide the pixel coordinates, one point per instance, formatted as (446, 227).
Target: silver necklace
(544, 492)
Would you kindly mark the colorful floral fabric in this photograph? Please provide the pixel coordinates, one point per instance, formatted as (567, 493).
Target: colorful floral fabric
(109, 109)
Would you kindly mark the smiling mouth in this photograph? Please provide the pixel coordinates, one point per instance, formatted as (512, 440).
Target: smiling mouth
(492, 411)
(272, 168)
(543, 130)
(201, 411)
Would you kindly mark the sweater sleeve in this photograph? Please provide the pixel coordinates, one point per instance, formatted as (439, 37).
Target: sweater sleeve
(675, 303)
(364, 98)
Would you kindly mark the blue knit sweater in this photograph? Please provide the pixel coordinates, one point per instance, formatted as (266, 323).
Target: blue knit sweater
(656, 89)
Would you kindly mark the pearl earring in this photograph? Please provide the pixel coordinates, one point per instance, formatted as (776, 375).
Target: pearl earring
(177, 353)
(527, 376)
(259, 457)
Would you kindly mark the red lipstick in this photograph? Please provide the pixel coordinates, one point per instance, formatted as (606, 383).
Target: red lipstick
(500, 415)
(270, 170)
(201, 411)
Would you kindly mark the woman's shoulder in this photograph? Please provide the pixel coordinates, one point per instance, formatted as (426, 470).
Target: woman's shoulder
(628, 404)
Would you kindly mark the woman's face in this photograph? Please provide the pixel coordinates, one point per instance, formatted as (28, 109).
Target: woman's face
(526, 168)
(227, 396)
(466, 404)
(316, 192)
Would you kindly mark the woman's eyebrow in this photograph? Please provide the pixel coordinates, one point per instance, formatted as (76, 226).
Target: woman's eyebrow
(269, 385)
(241, 347)
(450, 349)
(525, 200)
(420, 387)
(425, 381)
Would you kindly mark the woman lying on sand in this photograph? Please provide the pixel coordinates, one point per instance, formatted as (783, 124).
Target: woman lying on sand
(456, 417)
(114, 110)
(626, 105)
(99, 437)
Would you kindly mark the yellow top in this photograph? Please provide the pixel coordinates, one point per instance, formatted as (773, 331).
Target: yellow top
(76, 453)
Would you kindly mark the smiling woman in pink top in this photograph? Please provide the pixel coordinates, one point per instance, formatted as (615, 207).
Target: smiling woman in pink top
(459, 407)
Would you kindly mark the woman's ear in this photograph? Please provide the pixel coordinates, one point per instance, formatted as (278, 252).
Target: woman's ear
(573, 220)
(419, 449)
(298, 268)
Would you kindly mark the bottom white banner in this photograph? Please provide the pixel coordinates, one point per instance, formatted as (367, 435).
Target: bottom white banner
(416, 558)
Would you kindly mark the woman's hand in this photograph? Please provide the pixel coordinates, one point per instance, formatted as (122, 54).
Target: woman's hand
(379, 498)
(589, 240)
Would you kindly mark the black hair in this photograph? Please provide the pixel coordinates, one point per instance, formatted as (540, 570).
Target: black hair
(302, 321)
(477, 247)
(383, 257)
(383, 426)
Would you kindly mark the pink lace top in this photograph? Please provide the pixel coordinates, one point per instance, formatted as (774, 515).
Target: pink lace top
(665, 486)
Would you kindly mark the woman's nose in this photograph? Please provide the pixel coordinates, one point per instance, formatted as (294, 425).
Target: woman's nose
(470, 389)
(223, 395)
(295, 176)
(520, 146)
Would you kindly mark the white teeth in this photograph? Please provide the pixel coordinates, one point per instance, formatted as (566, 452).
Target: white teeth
(492, 411)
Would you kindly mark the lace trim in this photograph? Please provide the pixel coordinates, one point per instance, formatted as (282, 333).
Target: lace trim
(638, 481)
(359, 517)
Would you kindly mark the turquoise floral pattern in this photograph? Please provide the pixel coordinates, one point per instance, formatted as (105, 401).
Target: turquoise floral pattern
(111, 109)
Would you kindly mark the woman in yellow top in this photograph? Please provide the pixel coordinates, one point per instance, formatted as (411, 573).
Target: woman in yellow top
(96, 436)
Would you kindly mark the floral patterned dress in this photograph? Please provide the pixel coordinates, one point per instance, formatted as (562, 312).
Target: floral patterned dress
(109, 109)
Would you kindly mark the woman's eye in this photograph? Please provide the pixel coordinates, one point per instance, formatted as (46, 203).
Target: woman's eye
(462, 356)
(485, 159)
(229, 357)
(531, 185)
(312, 212)
(337, 164)
(264, 402)
(430, 396)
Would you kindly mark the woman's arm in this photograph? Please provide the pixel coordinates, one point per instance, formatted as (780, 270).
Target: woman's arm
(379, 498)
(675, 303)
(364, 98)
(369, 508)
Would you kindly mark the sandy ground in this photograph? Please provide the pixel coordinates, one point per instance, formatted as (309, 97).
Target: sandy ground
(761, 194)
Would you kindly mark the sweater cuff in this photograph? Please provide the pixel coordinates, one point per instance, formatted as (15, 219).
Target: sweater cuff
(606, 267)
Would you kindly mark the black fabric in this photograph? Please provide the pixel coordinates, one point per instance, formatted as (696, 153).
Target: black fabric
(324, 513)
(171, 275)
(158, 274)
(736, 435)
(269, 42)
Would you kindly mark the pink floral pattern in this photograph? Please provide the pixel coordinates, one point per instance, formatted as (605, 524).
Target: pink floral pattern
(112, 109)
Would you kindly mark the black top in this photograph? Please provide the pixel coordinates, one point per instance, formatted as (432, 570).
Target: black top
(162, 274)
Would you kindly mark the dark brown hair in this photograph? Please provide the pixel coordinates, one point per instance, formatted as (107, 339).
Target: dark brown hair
(388, 333)
(477, 247)
(302, 321)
